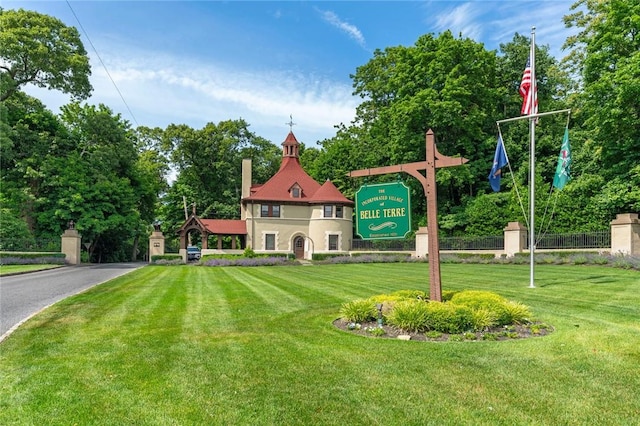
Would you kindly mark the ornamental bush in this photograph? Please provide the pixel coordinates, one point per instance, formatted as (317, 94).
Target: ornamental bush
(466, 311)
(361, 310)
(449, 318)
(410, 315)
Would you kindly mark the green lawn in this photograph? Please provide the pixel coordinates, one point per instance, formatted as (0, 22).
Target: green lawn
(255, 346)
(19, 269)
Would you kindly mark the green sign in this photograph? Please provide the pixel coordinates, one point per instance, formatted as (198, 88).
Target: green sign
(383, 211)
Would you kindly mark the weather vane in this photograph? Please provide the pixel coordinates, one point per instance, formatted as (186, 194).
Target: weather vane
(291, 123)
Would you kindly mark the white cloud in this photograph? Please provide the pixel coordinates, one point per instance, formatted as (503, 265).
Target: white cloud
(462, 19)
(162, 90)
(351, 30)
(496, 22)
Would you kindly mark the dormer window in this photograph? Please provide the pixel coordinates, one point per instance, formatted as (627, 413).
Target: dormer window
(295, 191)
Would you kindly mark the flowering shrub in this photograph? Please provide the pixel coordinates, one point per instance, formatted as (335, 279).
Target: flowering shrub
(247, 261)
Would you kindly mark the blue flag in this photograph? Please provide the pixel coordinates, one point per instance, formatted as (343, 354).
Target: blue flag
(499, 161)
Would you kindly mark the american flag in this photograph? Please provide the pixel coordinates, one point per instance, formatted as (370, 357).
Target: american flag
(525, 88)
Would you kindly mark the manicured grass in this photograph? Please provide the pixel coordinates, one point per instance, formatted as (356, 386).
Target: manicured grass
(255, 346)
(18, 269)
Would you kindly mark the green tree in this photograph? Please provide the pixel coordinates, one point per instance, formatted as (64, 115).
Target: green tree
(14, 232)
(149, 181)
(41, 50)
(208, 165)
(606, 55)
(457, 88)
(94, 183)
(31, 135)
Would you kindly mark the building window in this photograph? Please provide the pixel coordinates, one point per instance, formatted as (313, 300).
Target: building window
(269, 241)
(328, 211)
(269, 210)
(338, 211)
(333, 242)
(295, 192)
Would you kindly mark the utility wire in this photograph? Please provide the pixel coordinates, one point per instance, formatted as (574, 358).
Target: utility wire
(103, 64)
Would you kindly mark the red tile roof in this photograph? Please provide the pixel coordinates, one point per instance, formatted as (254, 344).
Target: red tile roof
(277, 189)
(225, 226)
(328, 193)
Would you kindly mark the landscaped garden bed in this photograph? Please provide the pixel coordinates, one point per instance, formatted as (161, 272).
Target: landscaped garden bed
(461, 316)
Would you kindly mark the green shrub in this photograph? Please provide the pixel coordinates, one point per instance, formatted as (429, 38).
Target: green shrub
(409, 315)
(448, 294)
(167, 258)
(361, 310)
(505, 311)
(389, 301)
(514, 313)
(599, 260)
(23, 258)
(466, 311)
(386, 298)
(483, 318)
(579, 259)
(477, 299)
(411, 294)
(325, 256)
(449, 318)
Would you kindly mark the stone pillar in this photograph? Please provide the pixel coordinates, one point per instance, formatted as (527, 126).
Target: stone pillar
(515, 238)
(422, 242)
(625, 234)
(156, 244)
(71, 246)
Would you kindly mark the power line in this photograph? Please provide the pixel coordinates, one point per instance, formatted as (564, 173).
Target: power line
(103, 65)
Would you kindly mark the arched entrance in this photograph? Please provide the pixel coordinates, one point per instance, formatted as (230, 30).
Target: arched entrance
(298, 247)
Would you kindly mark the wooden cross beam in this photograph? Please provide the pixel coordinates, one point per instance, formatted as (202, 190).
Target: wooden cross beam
(435, 160)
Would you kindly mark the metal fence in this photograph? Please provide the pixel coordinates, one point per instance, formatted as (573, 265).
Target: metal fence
(31, 245)
(384, 245)
(472, 243)
(585, 240)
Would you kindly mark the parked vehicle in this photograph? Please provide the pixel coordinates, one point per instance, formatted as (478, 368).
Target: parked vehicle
(193, 253)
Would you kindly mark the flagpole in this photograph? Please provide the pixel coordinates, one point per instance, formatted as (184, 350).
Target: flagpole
(532, 159)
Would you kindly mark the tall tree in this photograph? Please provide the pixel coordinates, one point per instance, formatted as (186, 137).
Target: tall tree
(41, 50)
(606, 55)
(208, 164)
(30, 135)
(94, 183)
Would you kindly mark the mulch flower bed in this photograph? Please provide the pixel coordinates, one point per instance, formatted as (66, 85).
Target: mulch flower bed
(511, 332)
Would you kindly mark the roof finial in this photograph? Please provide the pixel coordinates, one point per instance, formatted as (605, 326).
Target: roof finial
(291, 123)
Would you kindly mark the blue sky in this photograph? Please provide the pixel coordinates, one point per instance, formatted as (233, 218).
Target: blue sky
(193, 62)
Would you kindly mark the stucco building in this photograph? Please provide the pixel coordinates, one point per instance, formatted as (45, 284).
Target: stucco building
(290, 213)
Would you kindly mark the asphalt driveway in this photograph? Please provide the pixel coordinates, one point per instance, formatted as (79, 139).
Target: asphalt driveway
(22, 296)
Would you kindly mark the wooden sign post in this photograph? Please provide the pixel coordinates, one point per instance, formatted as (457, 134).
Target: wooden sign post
(434, 161)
